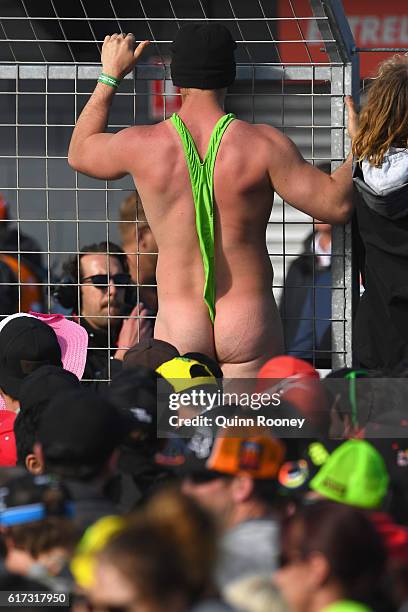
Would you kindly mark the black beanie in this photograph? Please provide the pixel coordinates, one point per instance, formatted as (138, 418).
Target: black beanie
(203, 56)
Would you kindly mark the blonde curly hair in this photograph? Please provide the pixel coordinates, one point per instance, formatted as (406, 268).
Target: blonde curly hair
(383, 121)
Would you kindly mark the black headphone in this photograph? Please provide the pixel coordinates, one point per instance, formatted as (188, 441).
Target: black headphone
(66, 293)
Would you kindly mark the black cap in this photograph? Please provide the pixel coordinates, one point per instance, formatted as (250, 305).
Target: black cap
(150, 353)
(44, 384)
(134, 392)
(203, 56)
(80, 427)
(25, 345)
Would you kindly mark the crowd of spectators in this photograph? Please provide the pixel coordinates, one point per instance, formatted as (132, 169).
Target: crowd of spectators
(97, 505)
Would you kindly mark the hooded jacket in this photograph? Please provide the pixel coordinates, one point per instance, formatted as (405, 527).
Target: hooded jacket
(381, 325)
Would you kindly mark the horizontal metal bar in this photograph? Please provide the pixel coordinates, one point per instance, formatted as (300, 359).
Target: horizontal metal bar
(166, 19)
(254, 94)
(159, 72)
(161, 42)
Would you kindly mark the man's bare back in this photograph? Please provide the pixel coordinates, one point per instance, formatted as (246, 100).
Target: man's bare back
(247, 329)
(252, 161)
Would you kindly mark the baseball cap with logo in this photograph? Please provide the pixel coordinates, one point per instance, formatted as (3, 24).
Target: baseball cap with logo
(354, 474)
(254, 452)
(25, 345)
(184, 373)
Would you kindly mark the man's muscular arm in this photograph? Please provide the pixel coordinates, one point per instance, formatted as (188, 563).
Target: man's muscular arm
(322, 196)
(91, 150)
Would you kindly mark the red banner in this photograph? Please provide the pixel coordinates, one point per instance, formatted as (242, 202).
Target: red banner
(374, 24)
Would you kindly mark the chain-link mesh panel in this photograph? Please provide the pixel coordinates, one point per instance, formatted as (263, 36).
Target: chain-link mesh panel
(292, 73)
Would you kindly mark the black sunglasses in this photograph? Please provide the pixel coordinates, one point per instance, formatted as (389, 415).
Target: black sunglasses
(103, 280)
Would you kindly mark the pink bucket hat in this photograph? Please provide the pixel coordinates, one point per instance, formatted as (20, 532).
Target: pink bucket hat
(72, 338)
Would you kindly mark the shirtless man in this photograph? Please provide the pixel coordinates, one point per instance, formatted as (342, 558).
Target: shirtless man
(214, 277)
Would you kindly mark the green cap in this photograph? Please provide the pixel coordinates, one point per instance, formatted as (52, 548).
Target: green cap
(354, 474)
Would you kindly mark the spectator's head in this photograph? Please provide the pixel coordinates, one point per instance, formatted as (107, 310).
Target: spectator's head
(185, 374)
(150, 353)
(383, 121)
(238, 480)
(134, 392)
(352, 395)
(329, 553)
(203, 58)
(354, 474)
(77, 436)
(34, 522)
(297, 382)
(37, 390)
(25, 345)
(163, 561)
(102, 271)
(137, 240)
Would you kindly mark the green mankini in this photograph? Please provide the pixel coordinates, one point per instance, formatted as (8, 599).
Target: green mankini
(202, 185)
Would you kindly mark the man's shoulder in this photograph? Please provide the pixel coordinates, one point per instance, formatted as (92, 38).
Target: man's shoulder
(264, 134)
(272, 134)
(148, 130)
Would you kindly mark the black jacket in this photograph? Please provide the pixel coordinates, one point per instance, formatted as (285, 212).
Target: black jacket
(381, 326)
(100, 362)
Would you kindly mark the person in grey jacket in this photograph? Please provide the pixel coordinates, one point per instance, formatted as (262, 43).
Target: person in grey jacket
(237, 483)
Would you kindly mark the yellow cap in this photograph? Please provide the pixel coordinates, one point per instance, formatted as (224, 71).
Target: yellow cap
(179, 373)
(93, 541)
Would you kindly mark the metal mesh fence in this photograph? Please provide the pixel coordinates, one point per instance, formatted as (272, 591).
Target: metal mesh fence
(294, 68)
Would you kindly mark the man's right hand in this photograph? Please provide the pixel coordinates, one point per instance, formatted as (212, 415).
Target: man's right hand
(119, 55)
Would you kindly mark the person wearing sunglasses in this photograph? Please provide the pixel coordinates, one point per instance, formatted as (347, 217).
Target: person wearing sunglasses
(103, 297)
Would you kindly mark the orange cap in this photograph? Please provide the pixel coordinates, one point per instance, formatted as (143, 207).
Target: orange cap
(284, 366)
(259, 455)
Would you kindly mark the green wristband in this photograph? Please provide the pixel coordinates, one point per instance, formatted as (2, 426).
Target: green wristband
(108, 80)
